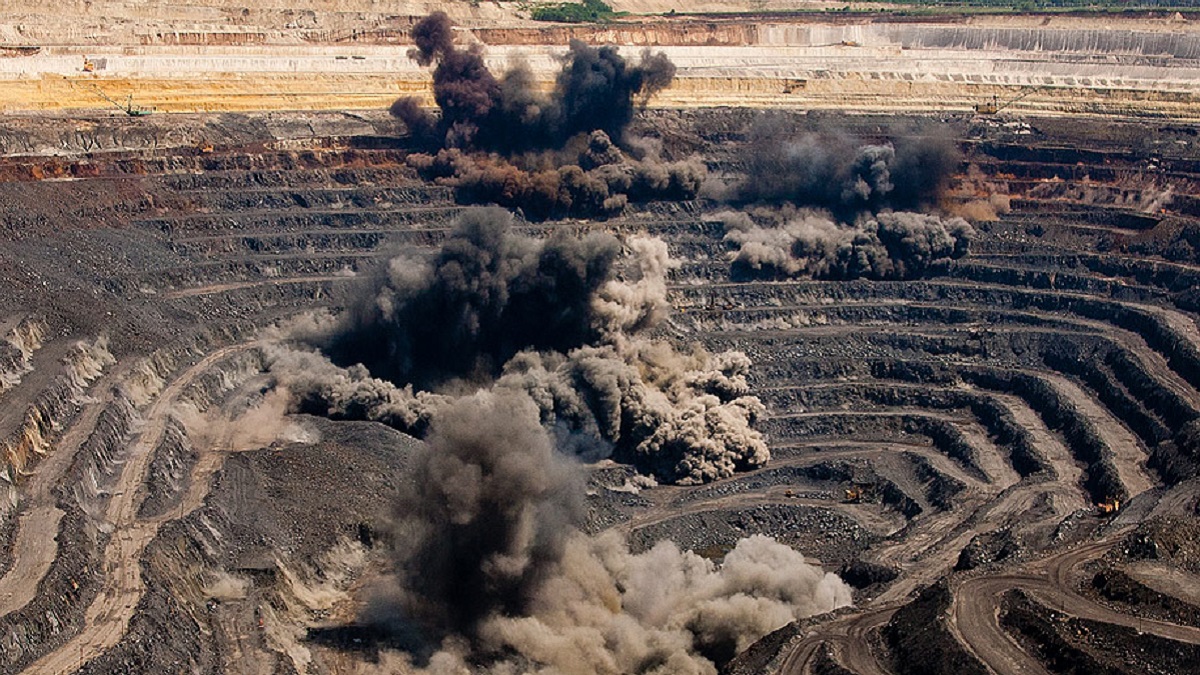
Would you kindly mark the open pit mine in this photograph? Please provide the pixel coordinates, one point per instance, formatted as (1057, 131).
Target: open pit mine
(414, 337)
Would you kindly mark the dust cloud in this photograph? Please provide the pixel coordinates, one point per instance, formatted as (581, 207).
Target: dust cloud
(501, 140)
(826, 205)
(495, 576)
(834, 171)
(786, 243)
(596, 90)
(255, 424)
(564, 321)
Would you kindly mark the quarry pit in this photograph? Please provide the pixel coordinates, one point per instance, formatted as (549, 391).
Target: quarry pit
(996, 453)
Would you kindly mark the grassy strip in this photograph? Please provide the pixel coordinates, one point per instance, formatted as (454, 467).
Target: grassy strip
(589, 11)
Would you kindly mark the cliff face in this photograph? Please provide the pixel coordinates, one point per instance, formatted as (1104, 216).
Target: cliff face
(31, 435)
(983, 408)
(657, 33)
(204, 57)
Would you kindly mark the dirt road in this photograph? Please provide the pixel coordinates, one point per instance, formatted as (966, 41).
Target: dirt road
(1051, 581)
(975, 609)
(33, 551)
(849, 638)
(973, 617)
(213, 289)
(107, 619)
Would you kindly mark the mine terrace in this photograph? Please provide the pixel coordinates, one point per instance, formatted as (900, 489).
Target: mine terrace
(778, 337)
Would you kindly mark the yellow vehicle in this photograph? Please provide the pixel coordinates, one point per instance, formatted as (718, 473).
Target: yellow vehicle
(128, 107)
(988, 108)
(1109, 506)
(89, 66)
(996, 106)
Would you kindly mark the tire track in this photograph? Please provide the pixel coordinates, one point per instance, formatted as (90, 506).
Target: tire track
(33, 551)
(107, 618)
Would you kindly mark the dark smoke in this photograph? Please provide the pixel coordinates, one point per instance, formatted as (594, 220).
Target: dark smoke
(485, 516)
(495, 576)
(421, 125)
(829, 206)
(318, 387)
(463, 87)
(922, 170)
(599, 180)
(684, 418)
(548, 320)
(434, 39)
(502, 141)
(487, 294)
(493, 573)
(803, 243)
(836, 172)
(596, 90)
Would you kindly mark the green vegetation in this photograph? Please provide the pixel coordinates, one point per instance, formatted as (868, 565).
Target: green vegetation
(598, 11)
(1051, 5)
(572, 12)
(968, 7)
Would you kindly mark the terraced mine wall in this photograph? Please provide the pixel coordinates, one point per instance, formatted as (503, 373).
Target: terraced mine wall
(1134, 66)
(980, 412)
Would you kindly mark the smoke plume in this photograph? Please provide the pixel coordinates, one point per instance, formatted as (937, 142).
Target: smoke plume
(683, 418)
(502, 141)
(804, 243)
(846, 176)
(486, 295)
(485, 515)
(829, 206)
(560, 321)
(596, 90)
(495, 576)
(598, 180)
(318, 387)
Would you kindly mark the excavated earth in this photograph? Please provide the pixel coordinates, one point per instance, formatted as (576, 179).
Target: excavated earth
(216, 55)
(986, 408)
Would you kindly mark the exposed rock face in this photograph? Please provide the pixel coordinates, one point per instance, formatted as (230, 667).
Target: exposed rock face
(206, 56)
(969, 417)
